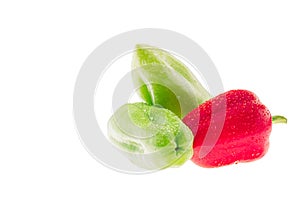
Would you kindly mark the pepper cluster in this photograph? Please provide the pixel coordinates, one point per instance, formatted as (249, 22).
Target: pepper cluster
(179, 120)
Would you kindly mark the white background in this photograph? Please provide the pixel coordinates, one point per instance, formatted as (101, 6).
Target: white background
(254, 45)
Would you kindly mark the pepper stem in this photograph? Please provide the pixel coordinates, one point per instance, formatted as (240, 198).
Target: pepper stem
(279, 119)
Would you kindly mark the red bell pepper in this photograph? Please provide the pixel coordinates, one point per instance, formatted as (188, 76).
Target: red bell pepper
(230, 128)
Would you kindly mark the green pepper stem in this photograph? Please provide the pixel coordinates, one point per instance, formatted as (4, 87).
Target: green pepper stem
(279, 119)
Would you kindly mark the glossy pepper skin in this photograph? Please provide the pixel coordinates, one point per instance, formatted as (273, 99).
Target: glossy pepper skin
(244, 136)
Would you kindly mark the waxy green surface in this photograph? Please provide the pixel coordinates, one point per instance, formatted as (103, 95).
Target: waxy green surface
(166, 81)
(151, 137)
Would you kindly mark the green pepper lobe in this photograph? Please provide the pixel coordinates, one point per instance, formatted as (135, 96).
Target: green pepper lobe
(151, 137)
(165, 81)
